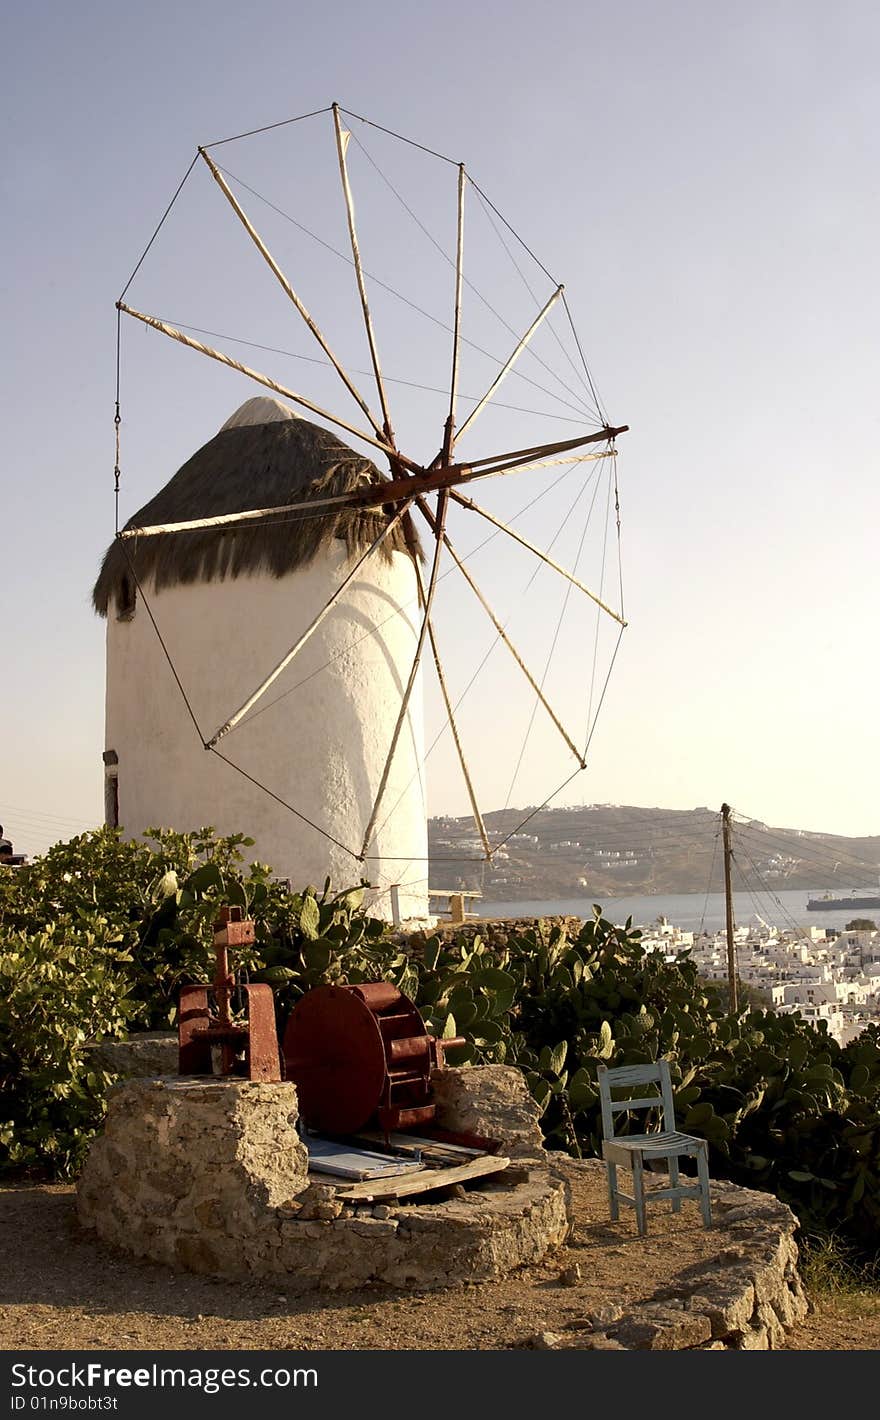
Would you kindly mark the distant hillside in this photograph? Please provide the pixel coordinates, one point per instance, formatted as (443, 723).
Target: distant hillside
(610, 850)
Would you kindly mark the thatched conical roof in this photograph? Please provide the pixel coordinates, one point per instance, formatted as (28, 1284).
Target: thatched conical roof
(263, 457)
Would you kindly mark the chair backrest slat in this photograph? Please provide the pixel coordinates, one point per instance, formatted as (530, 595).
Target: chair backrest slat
(647, 1102)
(629, 1075)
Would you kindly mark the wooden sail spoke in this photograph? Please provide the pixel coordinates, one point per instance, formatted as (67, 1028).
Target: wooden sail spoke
(341, 145)
(524, 542)
(425, 510)
(511, 360)
(440, 520)
(377, 495)
(517, 456)
(165, 329)
(289, 291)
(233, 720)
(449, 435)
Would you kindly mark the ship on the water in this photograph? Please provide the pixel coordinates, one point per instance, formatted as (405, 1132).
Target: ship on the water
(826, 903)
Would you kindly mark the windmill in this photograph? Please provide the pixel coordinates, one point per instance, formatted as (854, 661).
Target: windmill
(371, 515)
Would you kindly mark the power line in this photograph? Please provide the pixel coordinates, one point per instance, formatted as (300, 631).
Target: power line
(818, 853)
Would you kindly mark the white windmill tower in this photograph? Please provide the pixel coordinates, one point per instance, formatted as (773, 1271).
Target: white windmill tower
(278, 559)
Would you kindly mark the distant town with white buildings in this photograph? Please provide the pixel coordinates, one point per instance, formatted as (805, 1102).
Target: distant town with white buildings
(824, 973)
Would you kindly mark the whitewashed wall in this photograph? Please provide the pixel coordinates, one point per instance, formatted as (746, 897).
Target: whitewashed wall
(321, 747)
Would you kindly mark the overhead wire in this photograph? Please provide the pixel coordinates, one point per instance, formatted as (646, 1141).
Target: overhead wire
(7, 808)
(807, 851)
(796, 926)
(709, 879)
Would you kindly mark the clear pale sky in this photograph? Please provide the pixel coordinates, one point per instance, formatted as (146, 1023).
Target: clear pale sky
(703, 177)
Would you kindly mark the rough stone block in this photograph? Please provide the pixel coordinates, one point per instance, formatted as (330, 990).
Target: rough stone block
(727, 1304)
(141, 1055)
(661, 1328)
(492, 1101)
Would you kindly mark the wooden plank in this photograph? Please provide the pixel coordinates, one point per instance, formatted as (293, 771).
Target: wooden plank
(415, 1144)
(349, 1162)
(425, 1182)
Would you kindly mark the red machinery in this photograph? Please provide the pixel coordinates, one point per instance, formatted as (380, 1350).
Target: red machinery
(250, 1049)
(361, 1053)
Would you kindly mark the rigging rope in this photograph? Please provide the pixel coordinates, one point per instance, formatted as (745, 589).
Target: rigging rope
(117, 420)
(598, 619)
(550, 326)
(390, 379)
(550, 654)
(579, 408)
(267, 127)
(497, 637)
(451, 262)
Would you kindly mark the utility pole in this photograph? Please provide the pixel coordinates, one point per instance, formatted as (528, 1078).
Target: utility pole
(728, 894)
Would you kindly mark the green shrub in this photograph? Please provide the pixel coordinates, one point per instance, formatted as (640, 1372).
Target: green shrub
(98, 936)
(60, 992)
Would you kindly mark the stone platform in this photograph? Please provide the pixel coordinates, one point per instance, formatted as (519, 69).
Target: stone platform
(211, 1175)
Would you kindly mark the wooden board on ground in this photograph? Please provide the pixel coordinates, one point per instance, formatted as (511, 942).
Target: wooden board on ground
(415, 1144)
(349, 1162)
(426, 1182)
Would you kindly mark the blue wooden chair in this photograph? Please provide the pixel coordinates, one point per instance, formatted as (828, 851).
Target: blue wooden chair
(634, 1151)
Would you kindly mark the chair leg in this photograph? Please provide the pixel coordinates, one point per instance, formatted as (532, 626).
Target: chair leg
(703, 1174)
(612, 1192)
(638, 1174)
(673, 1183)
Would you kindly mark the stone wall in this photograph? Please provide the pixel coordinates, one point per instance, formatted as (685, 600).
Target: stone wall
(744, 1299)
(495, 931)
(142, 1055)
(210, 1175)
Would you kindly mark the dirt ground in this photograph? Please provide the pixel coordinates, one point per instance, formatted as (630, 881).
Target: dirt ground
(60, 1290)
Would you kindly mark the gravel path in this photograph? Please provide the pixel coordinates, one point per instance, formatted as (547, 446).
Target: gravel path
(60, 1290)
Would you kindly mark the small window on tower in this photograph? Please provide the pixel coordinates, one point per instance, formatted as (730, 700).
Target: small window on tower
(111, 788)
(126, 601)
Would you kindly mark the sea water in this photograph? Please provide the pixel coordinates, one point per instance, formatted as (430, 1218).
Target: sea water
(691, 911)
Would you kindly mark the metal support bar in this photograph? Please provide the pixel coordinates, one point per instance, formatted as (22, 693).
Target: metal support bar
(496, 522)
(376, 497)
(425, 510)
(310, 629)
(440, 522)
(287, 288)
(540, 450)
(170, 330)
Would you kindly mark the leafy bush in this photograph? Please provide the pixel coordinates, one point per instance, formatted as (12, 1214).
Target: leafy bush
(97, 937)
(59, 992)
(782, 1106)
